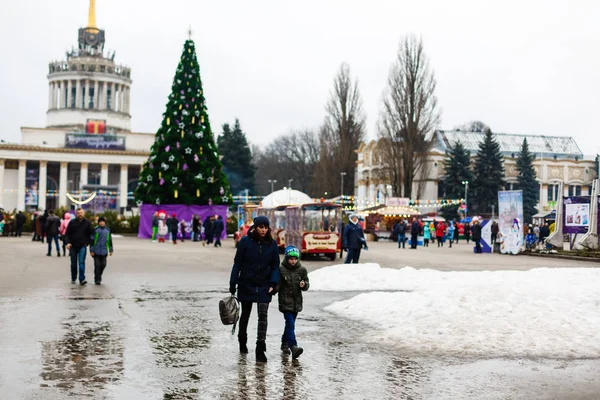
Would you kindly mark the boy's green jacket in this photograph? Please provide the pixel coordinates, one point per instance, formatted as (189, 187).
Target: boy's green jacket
(290, 293)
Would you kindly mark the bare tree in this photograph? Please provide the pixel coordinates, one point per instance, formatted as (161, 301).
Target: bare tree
(340, 135)
(292, 156)
(409, 115)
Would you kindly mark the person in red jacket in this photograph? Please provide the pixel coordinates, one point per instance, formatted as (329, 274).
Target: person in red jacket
(440, 233)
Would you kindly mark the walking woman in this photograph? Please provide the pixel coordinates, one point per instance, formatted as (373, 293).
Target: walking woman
(255, 272)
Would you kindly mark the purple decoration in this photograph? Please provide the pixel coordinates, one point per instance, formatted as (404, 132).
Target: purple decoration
(210, 202)
(182, 92)
(196, 158)
(181, 185)
(193, 99)
(162, 181)
(183, 212)
(185, 167)
(177, 144)
(167, 148)
(221, 191)
(187, 105)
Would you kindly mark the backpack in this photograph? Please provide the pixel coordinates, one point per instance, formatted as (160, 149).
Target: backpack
(229, 310)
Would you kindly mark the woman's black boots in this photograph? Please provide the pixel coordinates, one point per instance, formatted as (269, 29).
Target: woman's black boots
(261, 347)
(243, 339)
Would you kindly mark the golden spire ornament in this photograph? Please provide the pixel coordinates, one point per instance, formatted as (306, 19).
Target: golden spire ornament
(91, 27)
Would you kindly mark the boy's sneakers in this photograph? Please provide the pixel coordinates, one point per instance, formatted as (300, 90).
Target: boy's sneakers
(285, 348)
(296, 351)
(83, 283)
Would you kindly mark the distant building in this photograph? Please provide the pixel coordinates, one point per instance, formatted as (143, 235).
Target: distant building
(558, 159)
(87, 143)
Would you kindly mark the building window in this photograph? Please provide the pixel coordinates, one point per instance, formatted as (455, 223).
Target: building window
(553, 192)
(83, 90)
(91, 101)
(109, 99)
(73, 97)
(574, 190)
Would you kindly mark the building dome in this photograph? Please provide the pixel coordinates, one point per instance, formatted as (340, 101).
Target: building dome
(286, 197)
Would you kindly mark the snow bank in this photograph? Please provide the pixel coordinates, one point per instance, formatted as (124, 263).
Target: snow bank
(538, 313)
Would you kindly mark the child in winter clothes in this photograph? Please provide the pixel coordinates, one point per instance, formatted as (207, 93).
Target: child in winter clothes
(293, 280)
(101, 247)
(62, 230)
(426, 236)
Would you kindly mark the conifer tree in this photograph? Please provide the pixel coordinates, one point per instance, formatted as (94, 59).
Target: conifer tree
(527, 182)
(457, 166)
(488, 175)
(237, 158)
(184, 165)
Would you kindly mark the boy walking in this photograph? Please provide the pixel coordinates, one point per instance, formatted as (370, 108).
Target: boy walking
(293, 280)
(101, 247)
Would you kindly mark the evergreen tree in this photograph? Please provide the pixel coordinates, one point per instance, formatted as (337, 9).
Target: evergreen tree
(237, 158)
(184, 165)
(527, 182)
(457, 166)
(488, 175)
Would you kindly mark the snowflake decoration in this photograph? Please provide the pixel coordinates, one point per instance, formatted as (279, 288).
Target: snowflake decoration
(172, 158)
(181, 125)
(178, 80)
(199, 135)
(211, 179)
(157, 200)
(188, 150)
(185, 112)
(149, 178)
(197, 112)
(174, 179)
(199, 176)
(225, 199)
(139, 203)
(164, 166)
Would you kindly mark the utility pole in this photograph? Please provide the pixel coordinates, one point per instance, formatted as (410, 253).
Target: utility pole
(272, 182)
(466, 183)
(493, 211)
(342, 174)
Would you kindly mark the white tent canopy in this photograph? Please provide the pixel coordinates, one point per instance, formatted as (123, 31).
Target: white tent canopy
(286, 197)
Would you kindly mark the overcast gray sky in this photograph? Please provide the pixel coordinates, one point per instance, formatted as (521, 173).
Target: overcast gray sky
(528, 66)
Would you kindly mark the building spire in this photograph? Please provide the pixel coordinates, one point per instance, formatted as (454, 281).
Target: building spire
(92, 17)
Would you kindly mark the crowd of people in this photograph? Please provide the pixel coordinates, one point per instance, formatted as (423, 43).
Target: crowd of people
(209, 232)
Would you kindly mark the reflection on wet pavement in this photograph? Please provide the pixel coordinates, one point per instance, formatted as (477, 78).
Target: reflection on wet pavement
(87, 357)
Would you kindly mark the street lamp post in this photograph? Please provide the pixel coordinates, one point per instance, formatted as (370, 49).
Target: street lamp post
(290, 184)
(272, 182)
(342, 174)
(466, 183)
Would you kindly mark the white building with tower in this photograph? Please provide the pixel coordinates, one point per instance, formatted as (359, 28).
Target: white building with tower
(87, 145)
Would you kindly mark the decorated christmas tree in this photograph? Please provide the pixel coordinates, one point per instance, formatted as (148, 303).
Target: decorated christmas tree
(184, 165)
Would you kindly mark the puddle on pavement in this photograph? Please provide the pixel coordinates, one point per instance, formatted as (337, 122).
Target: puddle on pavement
(88, 357)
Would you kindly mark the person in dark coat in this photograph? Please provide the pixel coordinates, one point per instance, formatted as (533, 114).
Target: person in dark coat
(544, 232)
(20, 220)
(467, 229)
(42, 220)
(415, 228)
(195, 228)
(173, 225)
(476, 232)
(400, 232)
(219, 228)
(354, 239)
(77, 237)
(101, 246)
(52, 230)
(209, 229)
(495, 230)
(255, 275)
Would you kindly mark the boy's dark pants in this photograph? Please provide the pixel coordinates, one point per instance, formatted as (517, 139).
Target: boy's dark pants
(289, 333)
(99, 265)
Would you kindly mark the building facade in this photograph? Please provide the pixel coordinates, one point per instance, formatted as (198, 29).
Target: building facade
(558, 160)
(87, 145)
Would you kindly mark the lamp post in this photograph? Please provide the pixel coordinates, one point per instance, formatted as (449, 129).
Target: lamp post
(272, 182)
(342, 174)
(290, 184)
(466, 183)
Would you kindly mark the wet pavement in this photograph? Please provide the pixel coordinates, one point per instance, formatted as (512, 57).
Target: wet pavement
(152, 331)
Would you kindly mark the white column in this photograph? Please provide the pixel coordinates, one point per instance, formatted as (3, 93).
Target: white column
(59, 97)
(49, 95)
(123, 186)
(104, 95)
(96, 94)
(1, 182)
(122, 99)
(78, 93)
(62, 185)
(86, 98)
(21, 186)
(113, 95)
(69, 93)
(128, 100)
(83, 175)
(43, 179)
(104, 175)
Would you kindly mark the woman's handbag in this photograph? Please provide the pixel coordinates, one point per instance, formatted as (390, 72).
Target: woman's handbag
(229, 310)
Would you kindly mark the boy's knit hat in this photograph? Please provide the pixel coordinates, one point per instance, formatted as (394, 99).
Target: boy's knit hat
(291, 251)
(100, 219)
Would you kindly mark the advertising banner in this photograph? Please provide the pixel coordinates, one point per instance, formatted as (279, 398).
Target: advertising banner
(181, 211)
(94, 142)
(397, 202)
(32, 186)
(576, 214)
(510, 220)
